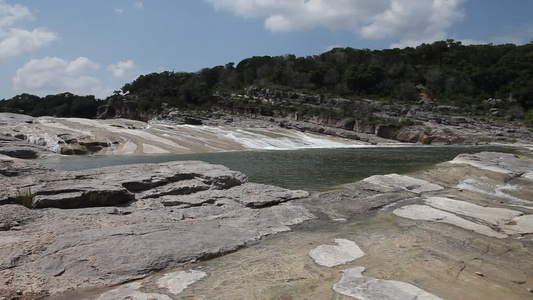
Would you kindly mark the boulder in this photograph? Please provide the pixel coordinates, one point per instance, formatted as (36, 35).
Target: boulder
(408, 136)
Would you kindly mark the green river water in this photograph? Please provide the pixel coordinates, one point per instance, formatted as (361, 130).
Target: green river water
(307, 169)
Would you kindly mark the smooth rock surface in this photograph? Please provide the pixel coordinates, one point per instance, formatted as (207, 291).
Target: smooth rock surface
(502, 162)
(248, 194)
(77, 136)
(354, 284)
(335, 255)
(90, 244)
(15, 147)
(492, 215)
(177, 282)
(391, 182)
(519, 225)
(131, 292)
(428, 213)
(113, 186)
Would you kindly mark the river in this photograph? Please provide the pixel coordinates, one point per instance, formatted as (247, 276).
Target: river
(307, 169)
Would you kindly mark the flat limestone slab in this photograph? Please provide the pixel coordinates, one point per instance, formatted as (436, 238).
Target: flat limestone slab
(395, 181)
(519, 225)
(354, 284)
(492, 215)
(496, 162)
(428, 213)
(334, 255)
(177, 282)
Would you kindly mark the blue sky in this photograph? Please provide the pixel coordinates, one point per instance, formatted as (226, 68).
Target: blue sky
(96, 46)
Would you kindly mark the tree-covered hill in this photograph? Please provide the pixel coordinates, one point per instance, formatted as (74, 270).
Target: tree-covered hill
(445, 72)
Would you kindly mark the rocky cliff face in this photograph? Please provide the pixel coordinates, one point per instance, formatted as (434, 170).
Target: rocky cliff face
(424, 122)
(122, 109)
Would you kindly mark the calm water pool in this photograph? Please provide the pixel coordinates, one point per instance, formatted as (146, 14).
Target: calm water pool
(309, 169)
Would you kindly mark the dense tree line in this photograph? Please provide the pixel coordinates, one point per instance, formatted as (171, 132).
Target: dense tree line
(446, 71)
(60, 105)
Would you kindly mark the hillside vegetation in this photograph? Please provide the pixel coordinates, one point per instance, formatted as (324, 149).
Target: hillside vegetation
(443, 73)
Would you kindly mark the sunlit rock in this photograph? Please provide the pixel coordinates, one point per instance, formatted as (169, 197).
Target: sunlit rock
(354, 284)
(334, 255)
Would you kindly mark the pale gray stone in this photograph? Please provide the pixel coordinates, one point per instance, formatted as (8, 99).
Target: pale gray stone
(354, 284)
(131, 292)
(177, 282)
(111, 186)
(392, 182)
(334, 255)
(492, 215)
(248, 194)
(90, 246)
(519, 225)
(428, 213)
(496, 162)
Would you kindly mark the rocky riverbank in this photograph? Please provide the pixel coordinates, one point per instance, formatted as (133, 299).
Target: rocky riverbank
(27, 137)
(460, 230)
(116, 224)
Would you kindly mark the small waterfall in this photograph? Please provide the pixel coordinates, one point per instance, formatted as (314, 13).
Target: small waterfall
(276, 138)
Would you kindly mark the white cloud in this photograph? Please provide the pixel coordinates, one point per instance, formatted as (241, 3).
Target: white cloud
(52, 75)
(13, 41)
(17, 40)
(10, 14)
(118, 11)
(409, 21)
(123, 69)
(467, 42)
(138, 5)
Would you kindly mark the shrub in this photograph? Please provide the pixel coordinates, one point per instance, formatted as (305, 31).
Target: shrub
(529, 117)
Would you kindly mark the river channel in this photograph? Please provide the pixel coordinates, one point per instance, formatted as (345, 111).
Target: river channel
(307, 169)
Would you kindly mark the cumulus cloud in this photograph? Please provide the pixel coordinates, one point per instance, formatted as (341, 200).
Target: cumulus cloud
(10, 14)
(409, 21)
(18, 40)
(123, 69)
(138, 5)
(13, 41)
(52, 75)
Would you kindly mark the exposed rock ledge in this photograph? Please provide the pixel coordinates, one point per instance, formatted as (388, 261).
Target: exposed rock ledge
(461, 229)
(214, 210)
